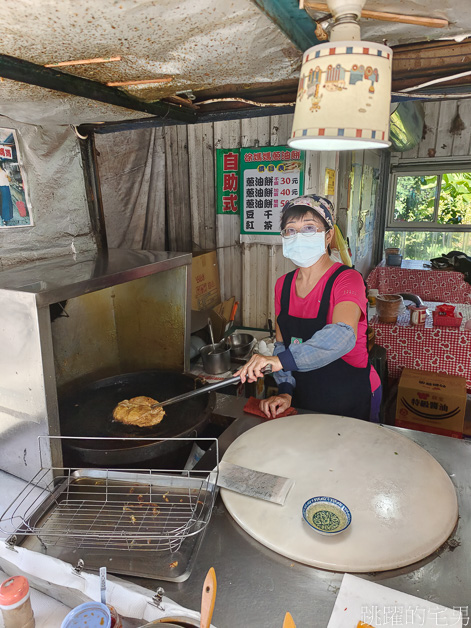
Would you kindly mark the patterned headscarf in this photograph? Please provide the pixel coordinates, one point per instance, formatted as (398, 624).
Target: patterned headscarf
(320, 205)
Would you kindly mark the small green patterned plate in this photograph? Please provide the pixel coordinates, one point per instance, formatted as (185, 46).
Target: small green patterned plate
(327, 515)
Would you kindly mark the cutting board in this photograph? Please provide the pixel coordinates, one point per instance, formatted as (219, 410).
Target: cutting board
(377, 605)
(403, 503)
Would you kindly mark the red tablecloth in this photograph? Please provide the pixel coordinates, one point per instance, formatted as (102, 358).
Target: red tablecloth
(446, 286)
(436, 349)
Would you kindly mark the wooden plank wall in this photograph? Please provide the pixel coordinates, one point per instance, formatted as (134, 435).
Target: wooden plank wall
(257, 259)
(438, 139)
(201, 185)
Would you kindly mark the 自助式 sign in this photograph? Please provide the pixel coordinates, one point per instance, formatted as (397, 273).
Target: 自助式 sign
(227, 180)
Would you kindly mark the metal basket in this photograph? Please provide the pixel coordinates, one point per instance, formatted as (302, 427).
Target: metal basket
(121, 515)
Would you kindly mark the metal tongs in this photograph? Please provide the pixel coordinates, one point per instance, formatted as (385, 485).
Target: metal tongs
(206, 389)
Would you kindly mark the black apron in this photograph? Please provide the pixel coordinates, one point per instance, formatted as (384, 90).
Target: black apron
(338, 388)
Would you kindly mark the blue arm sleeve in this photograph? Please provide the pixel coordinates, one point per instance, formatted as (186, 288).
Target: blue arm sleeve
(327, 345)
(284, 379)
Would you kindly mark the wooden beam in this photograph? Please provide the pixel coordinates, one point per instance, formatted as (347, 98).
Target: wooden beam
(236, 113)
(420, 62)
(49, 78)
(294, 22)
(430, 22)
(178, 100)
(93, 189)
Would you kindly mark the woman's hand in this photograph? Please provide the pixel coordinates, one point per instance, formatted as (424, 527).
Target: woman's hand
(253, 368)
(273, 406)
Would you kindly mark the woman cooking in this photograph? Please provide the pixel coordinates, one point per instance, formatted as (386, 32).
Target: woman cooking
(320, 362)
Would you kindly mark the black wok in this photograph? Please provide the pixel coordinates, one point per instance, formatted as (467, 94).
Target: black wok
(88, 411)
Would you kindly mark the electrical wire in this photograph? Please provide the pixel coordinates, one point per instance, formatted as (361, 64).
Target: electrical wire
(248, 102)
(443, 79)
(436, 96)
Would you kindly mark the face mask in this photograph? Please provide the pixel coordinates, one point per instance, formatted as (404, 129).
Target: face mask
(304, 250)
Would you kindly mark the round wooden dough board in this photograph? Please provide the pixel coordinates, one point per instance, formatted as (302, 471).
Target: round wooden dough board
(403, 503)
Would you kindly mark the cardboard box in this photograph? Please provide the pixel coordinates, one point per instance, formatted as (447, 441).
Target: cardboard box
(205, 290)
(431, 402)
(219, 315)
(220, 318)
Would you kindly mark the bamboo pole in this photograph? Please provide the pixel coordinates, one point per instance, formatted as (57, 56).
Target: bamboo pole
(145, 82)
(51, 78)
(62, 64)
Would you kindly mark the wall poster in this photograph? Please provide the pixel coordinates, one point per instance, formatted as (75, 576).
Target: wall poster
(329, 182)
(15, 208)
(269, 177)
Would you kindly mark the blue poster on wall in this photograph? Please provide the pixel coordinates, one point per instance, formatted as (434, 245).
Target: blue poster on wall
(15, 208)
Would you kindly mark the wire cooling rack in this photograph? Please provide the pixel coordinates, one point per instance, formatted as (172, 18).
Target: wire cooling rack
(110, 510)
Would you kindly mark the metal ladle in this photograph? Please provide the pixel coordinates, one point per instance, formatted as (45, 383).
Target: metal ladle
(212, 337)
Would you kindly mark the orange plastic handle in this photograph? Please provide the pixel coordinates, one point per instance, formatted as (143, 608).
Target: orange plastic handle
(208, 598)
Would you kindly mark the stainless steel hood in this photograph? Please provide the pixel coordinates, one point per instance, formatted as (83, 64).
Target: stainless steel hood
(67, 277)
(126, 311)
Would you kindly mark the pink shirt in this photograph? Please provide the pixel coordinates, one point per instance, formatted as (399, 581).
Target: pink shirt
(348, 286)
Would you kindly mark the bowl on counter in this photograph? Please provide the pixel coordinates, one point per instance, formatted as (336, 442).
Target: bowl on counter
(90, 614)
(216, 358)
(240, 344)
(327, 515)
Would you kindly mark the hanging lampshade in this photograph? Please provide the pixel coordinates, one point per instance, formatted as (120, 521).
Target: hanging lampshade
(344, 95)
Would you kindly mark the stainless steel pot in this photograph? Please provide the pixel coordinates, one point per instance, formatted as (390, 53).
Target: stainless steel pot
(240, 344)
(216, 358)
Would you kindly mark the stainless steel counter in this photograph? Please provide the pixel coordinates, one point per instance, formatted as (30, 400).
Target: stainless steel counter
(257, 586)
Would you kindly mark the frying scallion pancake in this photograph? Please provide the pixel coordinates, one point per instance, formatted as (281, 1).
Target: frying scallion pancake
(138, 411)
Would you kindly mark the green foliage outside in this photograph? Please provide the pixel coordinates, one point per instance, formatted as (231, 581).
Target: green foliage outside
(455, 199)
(415, 198)
(415, 202)
(428, 244)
